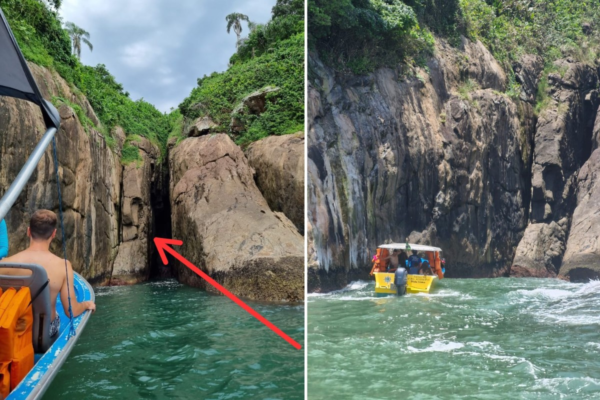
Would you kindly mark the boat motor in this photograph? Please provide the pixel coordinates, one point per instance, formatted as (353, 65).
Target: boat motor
(400, 278)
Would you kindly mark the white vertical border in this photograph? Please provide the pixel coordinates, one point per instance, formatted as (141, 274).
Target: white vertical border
(305, 199)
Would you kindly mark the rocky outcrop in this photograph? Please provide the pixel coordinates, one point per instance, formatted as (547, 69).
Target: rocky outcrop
(482, 66)
(582, 256)
(279, 165)
(396, 152)
(227, 226)
(255, 104)
(201, 126)
(90, 172)
(528, 71)
(132, 262)
(562, 144)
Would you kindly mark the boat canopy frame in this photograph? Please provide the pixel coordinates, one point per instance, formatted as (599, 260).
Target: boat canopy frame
(402, 246)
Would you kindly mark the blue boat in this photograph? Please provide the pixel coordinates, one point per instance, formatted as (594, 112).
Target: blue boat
(47, 364)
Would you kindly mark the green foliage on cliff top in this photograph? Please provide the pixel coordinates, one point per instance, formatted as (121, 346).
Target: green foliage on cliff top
(43, 41)
(552, 29)
(361, 35)
(272, 55)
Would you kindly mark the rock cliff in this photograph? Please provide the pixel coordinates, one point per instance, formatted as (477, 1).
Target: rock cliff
(279, 165)
(92, 182)
(133, 258)
(442, 155)
(229, 231)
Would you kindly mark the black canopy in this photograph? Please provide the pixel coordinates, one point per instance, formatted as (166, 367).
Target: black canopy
(15, 77)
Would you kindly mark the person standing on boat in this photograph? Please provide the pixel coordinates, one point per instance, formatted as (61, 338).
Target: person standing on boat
(393, 261)
(402, 257)
(3, 240)
(414, 262)
(41, 232)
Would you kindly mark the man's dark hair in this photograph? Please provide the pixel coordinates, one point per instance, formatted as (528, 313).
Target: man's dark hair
(42, 224)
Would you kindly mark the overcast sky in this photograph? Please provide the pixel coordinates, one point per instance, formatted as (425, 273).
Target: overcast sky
(158, 48)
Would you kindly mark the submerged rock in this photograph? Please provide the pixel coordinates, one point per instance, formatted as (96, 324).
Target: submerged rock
(279, 165)
(227, 226)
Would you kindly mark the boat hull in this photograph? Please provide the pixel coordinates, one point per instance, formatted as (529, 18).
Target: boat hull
(384, 283)
(47, 365)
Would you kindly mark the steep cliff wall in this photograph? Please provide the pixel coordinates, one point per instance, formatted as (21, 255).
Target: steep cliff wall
(91, 174)
(439, 155)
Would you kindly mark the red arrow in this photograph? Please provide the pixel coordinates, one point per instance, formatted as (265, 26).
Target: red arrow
(163, 244)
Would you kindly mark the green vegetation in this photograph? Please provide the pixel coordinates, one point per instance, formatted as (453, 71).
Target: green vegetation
(43, 41)
(272, 55)
(466, 88)
(130, 154)
(550, 28)
(361, 35)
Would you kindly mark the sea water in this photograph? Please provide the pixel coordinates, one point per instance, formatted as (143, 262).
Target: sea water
(469, 339)
(163, 340)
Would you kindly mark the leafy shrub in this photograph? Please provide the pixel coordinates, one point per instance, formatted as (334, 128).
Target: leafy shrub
(273, 55)
(551, 29)
(361, 35)
(130, 154)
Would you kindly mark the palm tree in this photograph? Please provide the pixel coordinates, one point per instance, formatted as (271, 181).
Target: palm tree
(78, 35)
(235, 20)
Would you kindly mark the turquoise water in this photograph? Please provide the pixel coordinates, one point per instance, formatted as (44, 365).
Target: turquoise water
(163, 340)
(469, 339)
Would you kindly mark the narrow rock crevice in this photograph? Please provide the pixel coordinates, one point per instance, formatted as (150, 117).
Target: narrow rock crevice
(161, 223)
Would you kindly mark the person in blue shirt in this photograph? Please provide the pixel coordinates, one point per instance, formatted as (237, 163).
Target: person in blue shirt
(414, 263)
(3, 240)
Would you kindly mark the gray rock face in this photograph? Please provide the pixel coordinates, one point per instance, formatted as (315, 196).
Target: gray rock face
(582, 256)
(279, 165)
(483, 67)
(227, 226)
(562, 144)
(527, 73)
(132, 261)
(390, 155)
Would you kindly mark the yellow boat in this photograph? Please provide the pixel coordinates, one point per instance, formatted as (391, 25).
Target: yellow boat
(384, 281)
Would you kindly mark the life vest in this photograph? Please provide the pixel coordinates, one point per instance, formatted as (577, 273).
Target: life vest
(437, 265)
(16, 341)
(379, 261)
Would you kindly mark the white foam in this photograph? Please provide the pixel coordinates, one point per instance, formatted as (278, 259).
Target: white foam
(443, 346)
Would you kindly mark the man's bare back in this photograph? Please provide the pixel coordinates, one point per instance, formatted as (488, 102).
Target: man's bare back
(41, 233)
(54, 266)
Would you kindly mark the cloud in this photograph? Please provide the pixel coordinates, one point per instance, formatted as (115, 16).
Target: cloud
(158, 48)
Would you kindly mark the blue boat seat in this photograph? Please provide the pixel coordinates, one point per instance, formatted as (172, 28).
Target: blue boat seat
(42, 306)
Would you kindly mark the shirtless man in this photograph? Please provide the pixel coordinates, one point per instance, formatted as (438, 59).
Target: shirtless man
(41, 232)
(393, 259)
